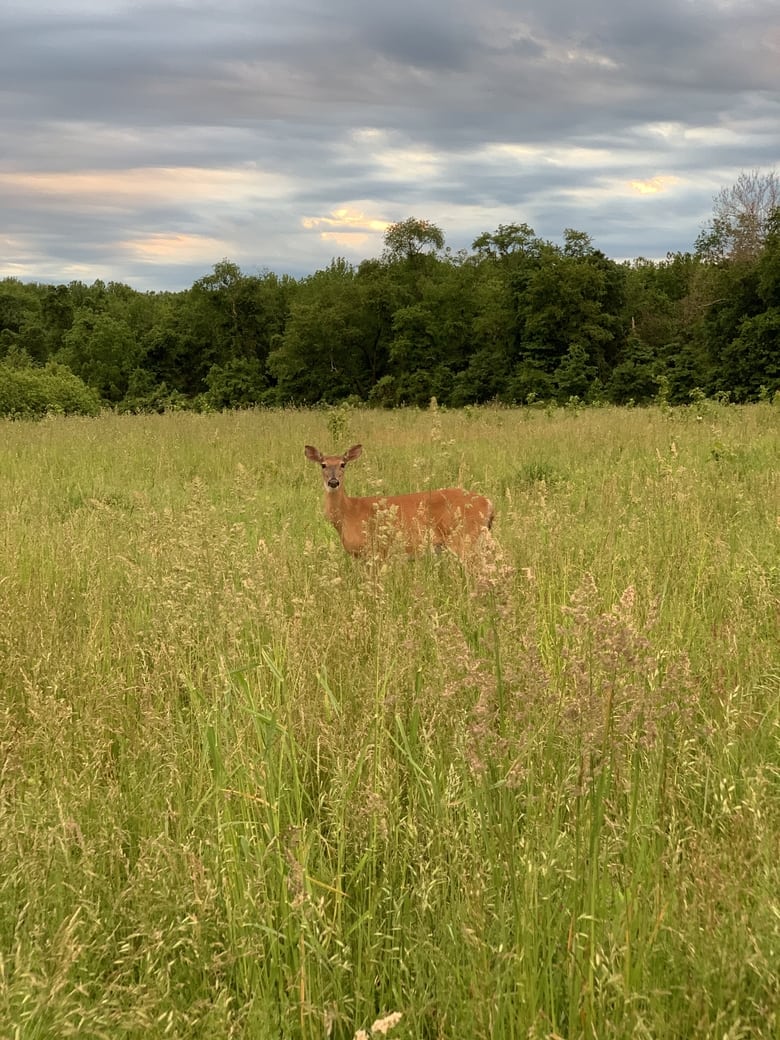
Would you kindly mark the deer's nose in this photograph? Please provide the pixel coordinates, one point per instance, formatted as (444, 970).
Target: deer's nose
(333, 482)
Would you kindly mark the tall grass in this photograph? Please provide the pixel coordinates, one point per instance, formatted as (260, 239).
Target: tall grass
(251, 787)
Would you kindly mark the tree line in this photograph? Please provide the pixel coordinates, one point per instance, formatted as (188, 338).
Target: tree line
(516, 319)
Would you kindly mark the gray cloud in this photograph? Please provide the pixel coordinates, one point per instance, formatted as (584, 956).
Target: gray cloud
(144, 141)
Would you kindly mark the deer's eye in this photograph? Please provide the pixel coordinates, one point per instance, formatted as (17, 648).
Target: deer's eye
(343, 464)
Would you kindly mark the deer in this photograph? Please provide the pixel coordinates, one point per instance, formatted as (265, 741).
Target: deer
(448, 518)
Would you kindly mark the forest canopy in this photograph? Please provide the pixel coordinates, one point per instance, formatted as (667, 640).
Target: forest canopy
(516, 319)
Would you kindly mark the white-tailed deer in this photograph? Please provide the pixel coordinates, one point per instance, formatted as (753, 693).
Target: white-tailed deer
(447, 518)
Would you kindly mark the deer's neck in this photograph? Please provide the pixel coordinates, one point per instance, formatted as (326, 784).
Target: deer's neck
(337, 507)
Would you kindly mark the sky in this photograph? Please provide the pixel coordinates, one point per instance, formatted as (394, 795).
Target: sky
(144, 141)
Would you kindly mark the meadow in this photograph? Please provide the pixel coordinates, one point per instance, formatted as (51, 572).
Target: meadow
(252, 787)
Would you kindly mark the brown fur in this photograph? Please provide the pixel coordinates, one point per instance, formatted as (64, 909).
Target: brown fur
(446, 518)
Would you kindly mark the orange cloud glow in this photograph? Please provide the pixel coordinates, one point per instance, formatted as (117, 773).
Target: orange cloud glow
(654, 185)
(144, 184)
(346, 227)
(161, 248)
(345, 221)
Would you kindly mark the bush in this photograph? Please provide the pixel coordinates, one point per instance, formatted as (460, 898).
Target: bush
(30, 393)
(239, 383)
(632, 381)
(146, 396)
(530, 382)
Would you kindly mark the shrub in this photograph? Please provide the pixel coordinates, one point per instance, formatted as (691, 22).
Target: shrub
(239, 383)
(29, 393)
(146, 396)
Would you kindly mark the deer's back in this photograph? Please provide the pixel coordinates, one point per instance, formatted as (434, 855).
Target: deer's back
(446, 516)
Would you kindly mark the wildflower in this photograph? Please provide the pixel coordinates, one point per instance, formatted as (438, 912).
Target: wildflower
(384, 1025)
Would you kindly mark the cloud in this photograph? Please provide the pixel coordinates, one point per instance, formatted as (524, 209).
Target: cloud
(348, 228)
(654, 185)
(144, 134)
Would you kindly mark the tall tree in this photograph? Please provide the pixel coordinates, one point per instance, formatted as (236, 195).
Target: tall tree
(572, 310)
(750, 361)
(322, 353)
(740, 218)
(231, 315)
(22, 326)
(507, 241)
(103, 351)
(411, 238)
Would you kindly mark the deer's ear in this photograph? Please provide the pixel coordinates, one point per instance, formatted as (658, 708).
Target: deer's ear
(312, 454)
(353, 452)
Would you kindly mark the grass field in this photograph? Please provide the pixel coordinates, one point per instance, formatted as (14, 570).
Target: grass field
(251, 787)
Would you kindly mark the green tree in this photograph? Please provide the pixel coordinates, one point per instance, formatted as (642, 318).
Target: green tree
(102, 351)
(573, 295)
(21, 319)
(653, 295)
(508, 241)
(57, 315)
(231, 315)
(575, 373)
(503, 264)
(411, 238)
(432, 334)
(30, 392)
(239, 383)
(733, 290)
(769, 264)
(636, 377)
(750, 360)
(485, 371)
(528, 382)
(324, 353)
